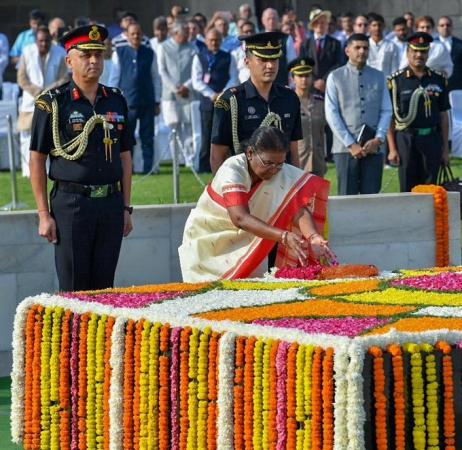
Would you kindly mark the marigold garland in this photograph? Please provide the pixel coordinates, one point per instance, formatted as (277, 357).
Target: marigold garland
(440, 202)
(45, 353)
(266, 393)
(238, 393)
(99, 381)
(291, 397)
(164, 412)
(431, 400)
(202, 385)
(153, 402)
(212, 390)
(349, 287)
(307, 384)
(128, 384)
(91, 382)
(136, 384)
(381, 437)
(192, 389)
(36, 377)
(328, 399)
(348, 271)
(398, 396)
(316, 399)
(248, 392)
(257, 394)
(75, 348)
(449, 428)
(273, 401)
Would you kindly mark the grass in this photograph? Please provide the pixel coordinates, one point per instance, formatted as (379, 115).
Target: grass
(157, 189)
(5, 401)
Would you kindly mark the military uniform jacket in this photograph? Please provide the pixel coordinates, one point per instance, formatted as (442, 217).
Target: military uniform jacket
(404, 82)
(252, 109)
(74, 109)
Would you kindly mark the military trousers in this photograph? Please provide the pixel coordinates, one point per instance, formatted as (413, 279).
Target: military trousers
(420, 158)
(89, 232)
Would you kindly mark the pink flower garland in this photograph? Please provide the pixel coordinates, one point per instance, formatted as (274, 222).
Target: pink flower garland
(310, 272)
(339, 326)
(74, 363)
(446, 282)
(174, 388)
(126, 300)
(281, 416)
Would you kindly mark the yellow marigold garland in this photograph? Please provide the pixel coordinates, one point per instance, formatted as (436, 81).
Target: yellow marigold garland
(299, 396)
(91, 382)
(266, 393)
(309, 349)
(257, 394)
(144, 386)
(45, 354)
(431, 398)
(54, 377)
(99, 381)
(192, 389)
(202, 385)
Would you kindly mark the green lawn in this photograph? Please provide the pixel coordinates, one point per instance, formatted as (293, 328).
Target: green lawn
(5, 400)
(157, 189)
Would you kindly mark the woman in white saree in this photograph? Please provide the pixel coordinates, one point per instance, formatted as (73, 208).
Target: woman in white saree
(254, 201)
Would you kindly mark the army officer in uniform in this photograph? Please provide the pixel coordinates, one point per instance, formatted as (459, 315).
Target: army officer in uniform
(418, 136)
(82, 127)
(240, 110)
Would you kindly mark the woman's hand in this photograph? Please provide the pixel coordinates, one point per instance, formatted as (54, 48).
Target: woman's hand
(296, 244)
(320, 248)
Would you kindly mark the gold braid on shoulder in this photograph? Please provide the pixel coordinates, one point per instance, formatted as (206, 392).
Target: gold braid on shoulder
(403, 122)
(79, 143)
(271, 119)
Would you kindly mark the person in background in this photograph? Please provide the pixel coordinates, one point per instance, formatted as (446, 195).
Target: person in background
(114, 28)
(454, 47)
(4, 59)
(82, 21)
(89, 209)
(357, 96)
(383, 54)
(212, 72)
(346, 24)
(134, 71)
(360, 24)
(299, 30)
(248, 28)
(41, 66)
(245, 12)
(418, 136)
(107, 55)
(193, 33)
(175, 61)
(271, 23)
(229, 43)
(410, 21)
(121, 40)
(438, 57)
(202, 22)
(333, 26)
(160, 31)
(26, 37)
(57, 27)
(311, 149)
(400, 34)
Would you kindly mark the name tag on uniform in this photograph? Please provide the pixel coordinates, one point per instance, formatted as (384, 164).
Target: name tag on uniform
(286, 115)
(206, 78)
(252, 116)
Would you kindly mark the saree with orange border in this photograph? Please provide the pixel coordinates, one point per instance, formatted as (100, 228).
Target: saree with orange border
(214, 248)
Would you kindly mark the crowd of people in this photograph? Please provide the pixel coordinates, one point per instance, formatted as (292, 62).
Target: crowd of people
(174, 78)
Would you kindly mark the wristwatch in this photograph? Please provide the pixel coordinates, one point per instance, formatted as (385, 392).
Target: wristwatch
(129, 209)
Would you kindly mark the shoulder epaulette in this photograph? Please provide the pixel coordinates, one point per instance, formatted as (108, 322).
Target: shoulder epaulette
(438, 72)
(114, 90)
(221, 102)
(44, 99)
(395, 74)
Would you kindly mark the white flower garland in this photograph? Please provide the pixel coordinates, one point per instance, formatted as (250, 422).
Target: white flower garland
(340, 400)
(440, 311)
(225, 419)
(116, 399)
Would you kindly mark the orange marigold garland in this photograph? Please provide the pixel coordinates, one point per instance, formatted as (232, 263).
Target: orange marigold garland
(328, 399)
(398, 396)
(248, 393)
(449, 428)
(239, 393)
(316, 400)
(28, 377)
(291, 399)
(213, 392)
(380, 399)
(128, 384)
(440, 201)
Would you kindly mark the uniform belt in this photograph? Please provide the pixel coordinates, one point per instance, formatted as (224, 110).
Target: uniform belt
(422, 131)
(88, 190)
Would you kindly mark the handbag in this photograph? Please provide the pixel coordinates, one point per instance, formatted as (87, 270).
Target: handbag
(448, 181)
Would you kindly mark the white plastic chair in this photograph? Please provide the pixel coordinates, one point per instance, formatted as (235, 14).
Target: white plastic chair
(455, 99)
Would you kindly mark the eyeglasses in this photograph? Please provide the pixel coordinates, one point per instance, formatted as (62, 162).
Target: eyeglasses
(269, 165)
(448, 25)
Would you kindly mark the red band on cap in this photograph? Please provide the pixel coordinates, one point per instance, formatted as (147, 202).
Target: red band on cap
(78, 40)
